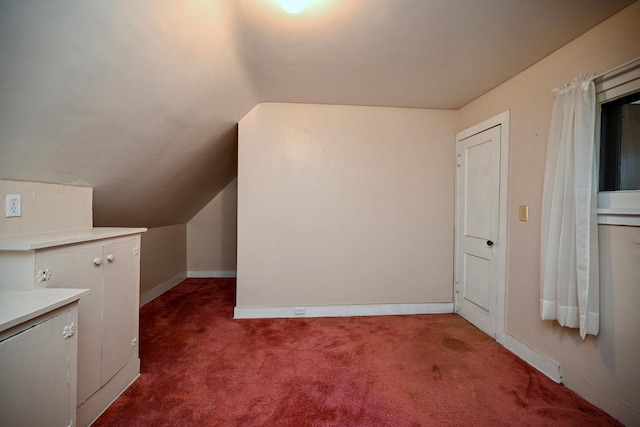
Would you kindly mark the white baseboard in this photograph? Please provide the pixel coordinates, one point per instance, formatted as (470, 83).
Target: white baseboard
(163, 287)
(619, 407)
(340, 310)
(211, 273)
(533, 357)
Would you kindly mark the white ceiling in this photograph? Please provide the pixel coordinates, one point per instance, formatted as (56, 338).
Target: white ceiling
(140, 99)
(407, 53)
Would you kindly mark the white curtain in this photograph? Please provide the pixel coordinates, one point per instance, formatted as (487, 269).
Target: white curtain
(569, 278)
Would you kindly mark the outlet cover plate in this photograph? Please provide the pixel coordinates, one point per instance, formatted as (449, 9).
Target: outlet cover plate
(12, 205)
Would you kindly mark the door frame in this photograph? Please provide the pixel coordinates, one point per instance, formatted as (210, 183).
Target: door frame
(501, 120)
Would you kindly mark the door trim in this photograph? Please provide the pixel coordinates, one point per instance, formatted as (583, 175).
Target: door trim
(501, 120)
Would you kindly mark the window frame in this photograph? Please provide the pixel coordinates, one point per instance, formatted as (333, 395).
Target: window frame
(621, 207)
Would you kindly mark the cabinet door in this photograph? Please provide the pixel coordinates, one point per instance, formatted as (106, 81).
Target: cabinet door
(120, 312)
(74, 267)
(35, 368)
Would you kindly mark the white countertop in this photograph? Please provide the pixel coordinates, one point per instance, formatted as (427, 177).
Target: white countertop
(20, 306)
(29, 242)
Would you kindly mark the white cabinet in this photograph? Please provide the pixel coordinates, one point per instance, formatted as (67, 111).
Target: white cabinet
(120, 313)
(38, 358)
(109, 315)
(70, 272)
(107, 262)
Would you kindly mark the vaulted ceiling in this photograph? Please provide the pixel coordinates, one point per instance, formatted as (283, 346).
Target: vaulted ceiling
(140, 99)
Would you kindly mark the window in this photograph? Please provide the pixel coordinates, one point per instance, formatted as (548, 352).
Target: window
(620, 144)
(618, 97)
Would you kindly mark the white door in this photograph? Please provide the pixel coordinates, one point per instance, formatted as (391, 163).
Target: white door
(478, 212)
(34, 375)
(120, 310)
(73, 266)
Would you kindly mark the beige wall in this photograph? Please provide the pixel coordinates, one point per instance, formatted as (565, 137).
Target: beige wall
(46, 208)
(211, 234)
(345, 205)
(603, 369)
(164, 257)
(139, 100)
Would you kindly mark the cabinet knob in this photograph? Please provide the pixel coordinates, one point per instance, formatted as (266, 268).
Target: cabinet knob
(110, 257)
(97, 261)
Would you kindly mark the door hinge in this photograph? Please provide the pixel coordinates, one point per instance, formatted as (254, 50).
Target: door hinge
(134, 342)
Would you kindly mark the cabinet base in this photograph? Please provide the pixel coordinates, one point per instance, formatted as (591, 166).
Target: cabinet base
(93, 407)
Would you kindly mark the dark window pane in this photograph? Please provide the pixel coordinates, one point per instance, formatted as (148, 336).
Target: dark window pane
(630, 148)
(620, 144)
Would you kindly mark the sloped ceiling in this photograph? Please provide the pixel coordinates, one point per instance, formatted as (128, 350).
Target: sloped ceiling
(140, 99)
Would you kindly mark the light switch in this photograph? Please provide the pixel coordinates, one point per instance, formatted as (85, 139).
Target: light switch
(524, 213)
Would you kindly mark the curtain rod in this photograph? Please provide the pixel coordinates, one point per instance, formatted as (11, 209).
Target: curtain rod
(614, 69)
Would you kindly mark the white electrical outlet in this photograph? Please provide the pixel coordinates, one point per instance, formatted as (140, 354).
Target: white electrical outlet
(299, 311)
(12, 205)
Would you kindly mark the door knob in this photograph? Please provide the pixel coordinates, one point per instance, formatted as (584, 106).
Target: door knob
(489, 243)
(110, 257)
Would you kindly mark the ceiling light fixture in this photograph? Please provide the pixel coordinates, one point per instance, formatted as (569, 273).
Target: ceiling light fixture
(293, 6)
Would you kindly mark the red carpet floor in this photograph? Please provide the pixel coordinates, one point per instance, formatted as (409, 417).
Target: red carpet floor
(202, 368)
